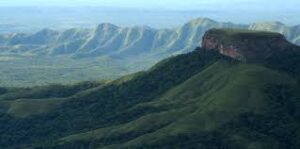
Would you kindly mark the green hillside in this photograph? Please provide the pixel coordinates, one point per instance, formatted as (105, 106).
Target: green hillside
(211, 110)
(197, 100)
(104, 105)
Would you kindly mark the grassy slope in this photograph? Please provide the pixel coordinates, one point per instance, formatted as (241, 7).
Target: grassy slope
(213, 99)
(102, 106)
(202, 104)
(198, 100)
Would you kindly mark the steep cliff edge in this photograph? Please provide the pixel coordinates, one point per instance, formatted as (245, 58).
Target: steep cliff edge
(248, 46)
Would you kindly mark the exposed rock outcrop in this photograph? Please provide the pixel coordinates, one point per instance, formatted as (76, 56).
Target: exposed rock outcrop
(246, 45)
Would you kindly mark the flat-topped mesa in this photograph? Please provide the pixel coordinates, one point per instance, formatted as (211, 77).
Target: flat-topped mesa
(246, 45)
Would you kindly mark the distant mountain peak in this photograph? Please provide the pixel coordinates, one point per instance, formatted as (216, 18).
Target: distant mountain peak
(106, 26)
(47, 32)
(269, 26)
(146, 27)
(275, 23)
(204, 19)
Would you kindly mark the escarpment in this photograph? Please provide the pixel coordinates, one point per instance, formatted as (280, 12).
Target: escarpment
(246, 45)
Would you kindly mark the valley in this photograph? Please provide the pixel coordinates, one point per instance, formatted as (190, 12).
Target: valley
(106, 52)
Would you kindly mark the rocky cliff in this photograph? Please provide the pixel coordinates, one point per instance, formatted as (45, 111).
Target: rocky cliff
(246, 45)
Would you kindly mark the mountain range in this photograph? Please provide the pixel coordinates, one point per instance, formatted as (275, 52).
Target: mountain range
(110, 40)
(105, 52)
(240, 90)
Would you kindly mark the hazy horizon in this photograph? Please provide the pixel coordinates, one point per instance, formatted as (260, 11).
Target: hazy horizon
(166, 4)
(33, 15)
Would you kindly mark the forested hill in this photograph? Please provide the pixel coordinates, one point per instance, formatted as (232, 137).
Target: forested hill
(202, 99)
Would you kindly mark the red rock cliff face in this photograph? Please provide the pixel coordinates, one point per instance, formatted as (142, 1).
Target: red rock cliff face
(231, 50)
(247, 46)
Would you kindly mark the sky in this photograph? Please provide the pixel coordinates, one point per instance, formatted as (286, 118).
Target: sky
(41, 14)
(165, 4)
